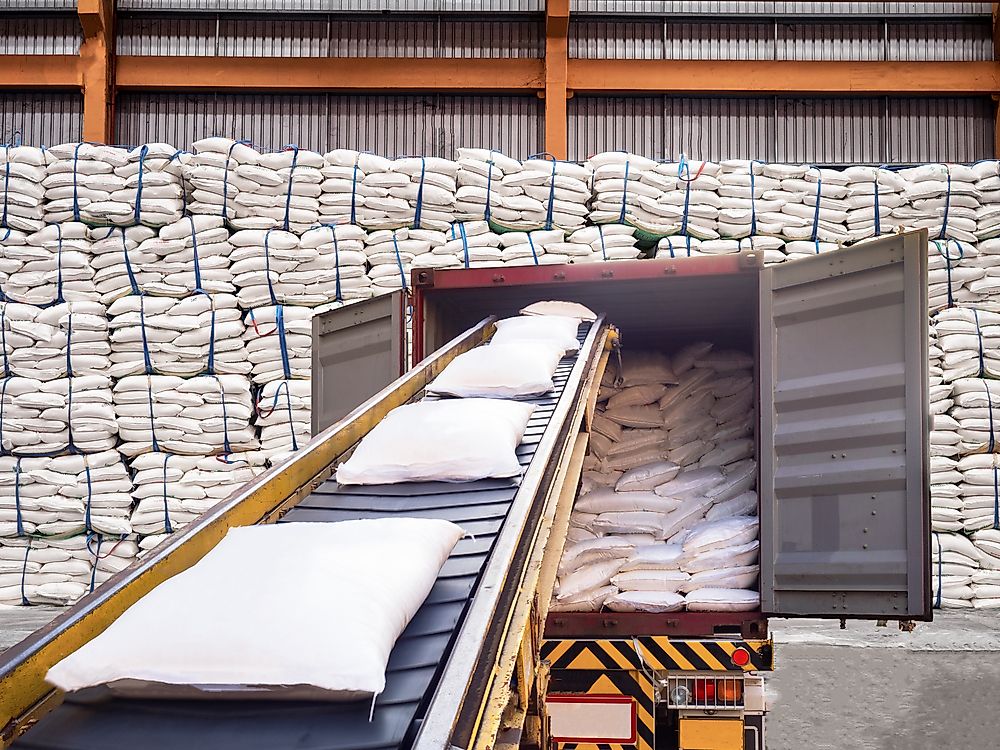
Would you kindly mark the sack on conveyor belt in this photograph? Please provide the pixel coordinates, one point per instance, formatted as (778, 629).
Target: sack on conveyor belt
(461, 440)
(550, 330)
(560, 308)
(386, 567)
(59, 571)
(499, 371)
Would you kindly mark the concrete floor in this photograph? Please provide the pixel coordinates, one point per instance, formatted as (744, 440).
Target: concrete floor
(863, 688)
(869, 688)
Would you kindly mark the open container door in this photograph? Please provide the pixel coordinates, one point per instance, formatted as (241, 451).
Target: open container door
(845, 505)
(357, 350)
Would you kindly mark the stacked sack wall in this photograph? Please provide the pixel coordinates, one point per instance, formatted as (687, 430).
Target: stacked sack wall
(157, 308)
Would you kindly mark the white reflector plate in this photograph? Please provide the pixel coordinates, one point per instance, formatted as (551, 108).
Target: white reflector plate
(591, 718)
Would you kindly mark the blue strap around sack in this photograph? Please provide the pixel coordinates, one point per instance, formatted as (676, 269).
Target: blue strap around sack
(17, 498)
(3, 392)
(152, 418)
(146, 358)
(3, 334)
(878, 210)
(6, 190)
(227, 449)
(552, 197)
(465, 242)
(225, 179)
(947, 206)
(947, 261)
(267, 266)
(128, 265)
(143, 152)
(420, 194)
(279, 323)
(979, 336)
(996, 494)
(991, 446)
(489, 185)
(531, 244)
(336, 260)
(354, 189)
(24, 574)
(76, 185)
(291, 178)
(90, 489)
(687, 205)
(399, 262)
(621, 216)
(59, 275)
(604, 250)
(288, 407)
(69, 345)
(167, 526)
(210, 365)
(940, 568)
(96, 552)
(197, 263)
(753, 197)
(819, 191)
(69, 417)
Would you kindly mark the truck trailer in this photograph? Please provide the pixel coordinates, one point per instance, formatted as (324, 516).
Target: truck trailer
(840, 345)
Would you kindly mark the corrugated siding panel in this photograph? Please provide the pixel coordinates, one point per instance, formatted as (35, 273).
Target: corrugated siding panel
(329, 37)
(599, 124)
(337, 6)
(831, 131)
(960, 41)
(830, 41)
(609, 40)
(670, 7)
(720, 41)
(41, 119)
(959, 129)
(390, 125)
(716, 7)
(40, 35)
(711, 128)
(39, 5)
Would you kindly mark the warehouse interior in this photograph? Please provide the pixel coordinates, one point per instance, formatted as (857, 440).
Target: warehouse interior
(348, 171)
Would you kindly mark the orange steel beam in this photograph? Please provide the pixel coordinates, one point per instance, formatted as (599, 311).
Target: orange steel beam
(556, 75)
(39, 71)
(370, 74)
(97, 68)
(783, 76)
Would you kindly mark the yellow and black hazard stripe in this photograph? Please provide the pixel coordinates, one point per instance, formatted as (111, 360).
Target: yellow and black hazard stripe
(657, 652)
(634, 685)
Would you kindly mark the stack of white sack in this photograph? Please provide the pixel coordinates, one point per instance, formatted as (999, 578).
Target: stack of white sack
(954, 562)
(542, 247)
(213, 174)
(813, 207)
(271, 266)
(770, 248)
(480, 174)
(151, 189)
(208, 414)
(283, 417)
(872, 195)
(171, 491)
(168, 336)
(986, 580)
(65, 495)
(941, 198)
(80, 181)
(977, 411)
(469, 244)
(667, 515)
(969, 340)
(980, 491)
(60, 571)
(743, 209)
(48, 417)
(984, 292)
(350, 178)
(287, 192)
(952, 266)
(544, 194)
(429, 191)
(605, 242)
(946, 503)
(988, 184)
(67, 339)
(392, 253)
(119, 266)
(22, 190)
(338, 272)
(689, 201)
(797, 249)
(678, 246)
(621, 195)
(279, 343)
(191, 256)
(48, 266)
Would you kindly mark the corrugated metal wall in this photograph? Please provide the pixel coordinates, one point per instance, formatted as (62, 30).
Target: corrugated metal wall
(870, 130)
(48, 34)
(651, 39)
(735, 8)
(328, 37)
(390, 125)
(40, 119)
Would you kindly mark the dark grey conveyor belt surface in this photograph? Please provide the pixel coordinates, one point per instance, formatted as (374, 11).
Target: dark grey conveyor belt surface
(478, 507)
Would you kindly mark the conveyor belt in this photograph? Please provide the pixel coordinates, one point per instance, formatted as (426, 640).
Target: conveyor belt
(481, 508)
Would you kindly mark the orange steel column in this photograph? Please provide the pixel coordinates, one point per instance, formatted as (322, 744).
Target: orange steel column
(556, 65)
(97, 68)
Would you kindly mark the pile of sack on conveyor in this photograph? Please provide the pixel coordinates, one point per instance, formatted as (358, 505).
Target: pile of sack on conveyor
(176, 264)
(667, 513)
